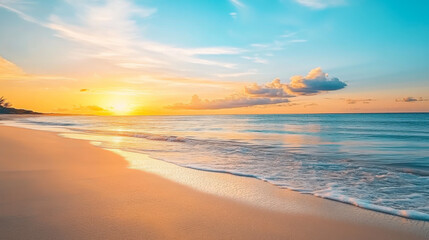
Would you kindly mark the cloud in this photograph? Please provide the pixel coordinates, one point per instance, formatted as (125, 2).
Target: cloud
(274, 89)
(237, 74)
(233, 14)
(354, 101)
(270, 93)
(61, 110)
(90, 108)
(10, 71)
(411, 99)
(233, 101)
(288, 34)
(280, 43)
(315, 82)
(259, 45)
(111, 33)
(83, 90)
(320, 4)
(109, 30)
(310, 105)
(12, 7)
(256, 59)
(298, 41)
(238, 3)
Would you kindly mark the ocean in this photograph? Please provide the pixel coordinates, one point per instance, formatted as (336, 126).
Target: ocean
(374, 161)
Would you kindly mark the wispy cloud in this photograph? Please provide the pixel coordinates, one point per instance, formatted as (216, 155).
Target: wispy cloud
(237, 74)
(320, 4)
(280, 43)
(357, 100)
(112, 32)
(90, 109)
(297, 40)
(256, 59)
(238, 3)
(234, 101)
(310, 105)
(11, 6)
(288, 34)
(411, 99)
(233, 14)
(164, 82)
(119, 92)
(240, 8)
(10, 71)
(108, 30)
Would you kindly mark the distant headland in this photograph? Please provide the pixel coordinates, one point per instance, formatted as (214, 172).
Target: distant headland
(6, 108)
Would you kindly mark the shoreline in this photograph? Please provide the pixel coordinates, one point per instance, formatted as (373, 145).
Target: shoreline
(262, 194)
(135, 160)
(347, 201)
(53, 188)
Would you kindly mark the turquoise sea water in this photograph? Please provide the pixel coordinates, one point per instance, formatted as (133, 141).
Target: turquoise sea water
(375, 161)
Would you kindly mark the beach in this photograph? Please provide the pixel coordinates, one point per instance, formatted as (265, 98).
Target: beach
(233, 119)
(60, 188)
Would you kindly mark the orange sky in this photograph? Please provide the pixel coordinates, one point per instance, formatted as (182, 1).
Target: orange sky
(110, 95)
(123, 57)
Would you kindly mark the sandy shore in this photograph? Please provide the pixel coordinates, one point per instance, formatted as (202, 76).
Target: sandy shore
(58, 188)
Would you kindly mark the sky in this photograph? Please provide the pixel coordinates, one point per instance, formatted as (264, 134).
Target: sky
(144, 57)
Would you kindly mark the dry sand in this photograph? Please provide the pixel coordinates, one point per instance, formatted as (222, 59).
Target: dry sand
(58, 188)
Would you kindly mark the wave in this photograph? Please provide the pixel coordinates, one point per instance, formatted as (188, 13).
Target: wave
(411, 214)
(149, 136)
(331, 195)
(325, 194)
(364, 179)
(47, 123)
(222, 171)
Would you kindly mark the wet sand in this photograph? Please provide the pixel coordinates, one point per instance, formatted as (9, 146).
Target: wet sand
(58, 188)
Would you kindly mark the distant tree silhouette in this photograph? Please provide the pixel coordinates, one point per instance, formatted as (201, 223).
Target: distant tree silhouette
(4, 103)
(6, 108)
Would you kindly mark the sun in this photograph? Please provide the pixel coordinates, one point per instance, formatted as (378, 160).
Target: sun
(121, 108)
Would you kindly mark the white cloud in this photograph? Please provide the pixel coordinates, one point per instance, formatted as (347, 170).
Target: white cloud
(320, 4)
(238, 3)
(273, 92)
(278, 44)
(10, 71)
(256, 59)
(12, 7)
(274, 89)
(108, 30)
(298, 41)
(288, 35)
(237, 74)
(315, 82)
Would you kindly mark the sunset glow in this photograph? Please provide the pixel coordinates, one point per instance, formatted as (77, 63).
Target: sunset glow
(121, 108)
(221, 119)
(222, 57)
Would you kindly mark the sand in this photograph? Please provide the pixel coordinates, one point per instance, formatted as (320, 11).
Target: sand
(58, 188)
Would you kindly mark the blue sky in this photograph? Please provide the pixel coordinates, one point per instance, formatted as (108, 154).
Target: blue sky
(370, 45)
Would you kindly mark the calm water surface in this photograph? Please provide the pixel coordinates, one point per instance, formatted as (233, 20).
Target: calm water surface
(375, 161)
